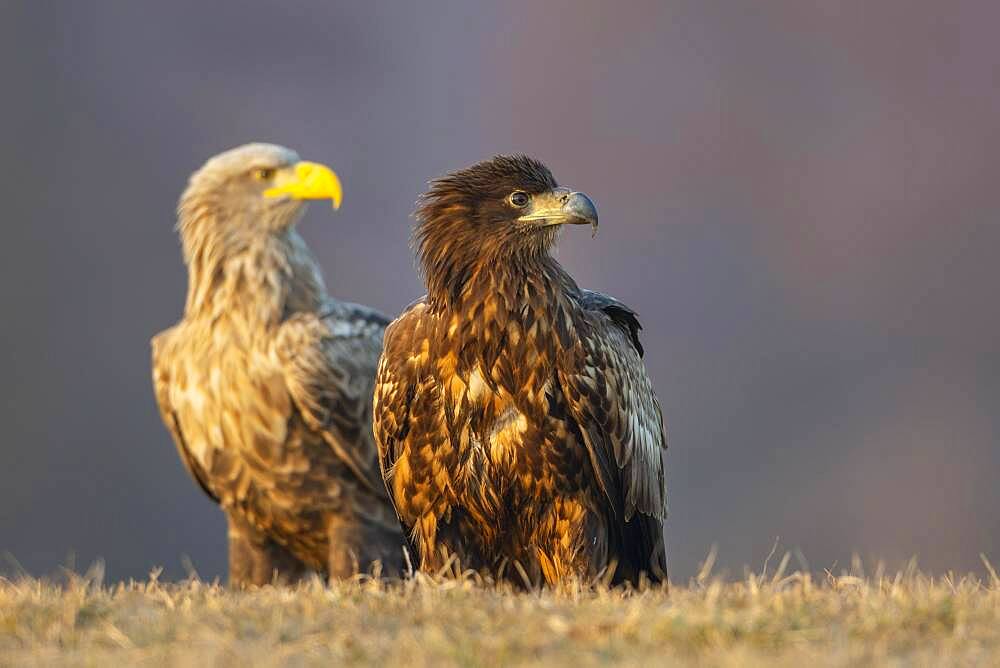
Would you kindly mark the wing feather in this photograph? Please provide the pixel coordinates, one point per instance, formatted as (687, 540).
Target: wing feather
(329, 363)
(395, 389)
(162, 359)
(612, 399)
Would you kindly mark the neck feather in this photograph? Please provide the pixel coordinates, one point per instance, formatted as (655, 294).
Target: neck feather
(507, 314)
(260, 276)
(457, 259)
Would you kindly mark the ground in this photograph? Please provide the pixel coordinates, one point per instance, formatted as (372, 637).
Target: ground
(760, 619)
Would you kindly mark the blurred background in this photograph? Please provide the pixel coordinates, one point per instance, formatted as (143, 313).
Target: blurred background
(801, 199)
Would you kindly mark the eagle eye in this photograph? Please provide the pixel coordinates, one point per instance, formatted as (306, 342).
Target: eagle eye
(263, 173)
(519, 198)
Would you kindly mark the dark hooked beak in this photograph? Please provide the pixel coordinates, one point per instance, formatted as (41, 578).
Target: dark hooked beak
(561, 206)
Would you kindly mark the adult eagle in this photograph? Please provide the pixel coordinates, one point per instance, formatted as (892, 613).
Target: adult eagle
(266, 382)
(514, 418)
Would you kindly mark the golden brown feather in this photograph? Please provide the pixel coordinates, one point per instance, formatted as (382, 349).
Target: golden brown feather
(514, 417)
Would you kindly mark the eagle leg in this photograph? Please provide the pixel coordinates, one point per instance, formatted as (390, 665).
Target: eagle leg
(455, 542)
(358, 545)
(256, 560)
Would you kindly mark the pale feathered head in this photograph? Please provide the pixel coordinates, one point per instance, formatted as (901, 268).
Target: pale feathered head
(248, 191)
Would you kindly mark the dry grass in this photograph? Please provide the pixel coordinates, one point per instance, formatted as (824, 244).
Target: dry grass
(776, 619)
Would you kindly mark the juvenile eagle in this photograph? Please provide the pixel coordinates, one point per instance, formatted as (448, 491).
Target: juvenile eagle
(266, 382)
(515, 421)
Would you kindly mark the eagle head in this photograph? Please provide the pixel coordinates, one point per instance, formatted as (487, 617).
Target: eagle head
(248, 190)
(501, 212)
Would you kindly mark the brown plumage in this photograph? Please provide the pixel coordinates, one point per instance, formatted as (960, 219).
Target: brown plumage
(514, 417)
(266, 382)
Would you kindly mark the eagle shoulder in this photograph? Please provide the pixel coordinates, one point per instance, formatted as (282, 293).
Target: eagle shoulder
(620, 314)
(395, 383)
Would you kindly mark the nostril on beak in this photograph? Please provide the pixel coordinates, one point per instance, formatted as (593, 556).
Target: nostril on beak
(564, 198)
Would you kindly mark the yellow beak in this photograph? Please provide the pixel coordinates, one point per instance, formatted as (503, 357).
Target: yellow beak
(307, 180)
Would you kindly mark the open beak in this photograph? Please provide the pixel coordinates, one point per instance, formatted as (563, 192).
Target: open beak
(307, 180)
(561, 206)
